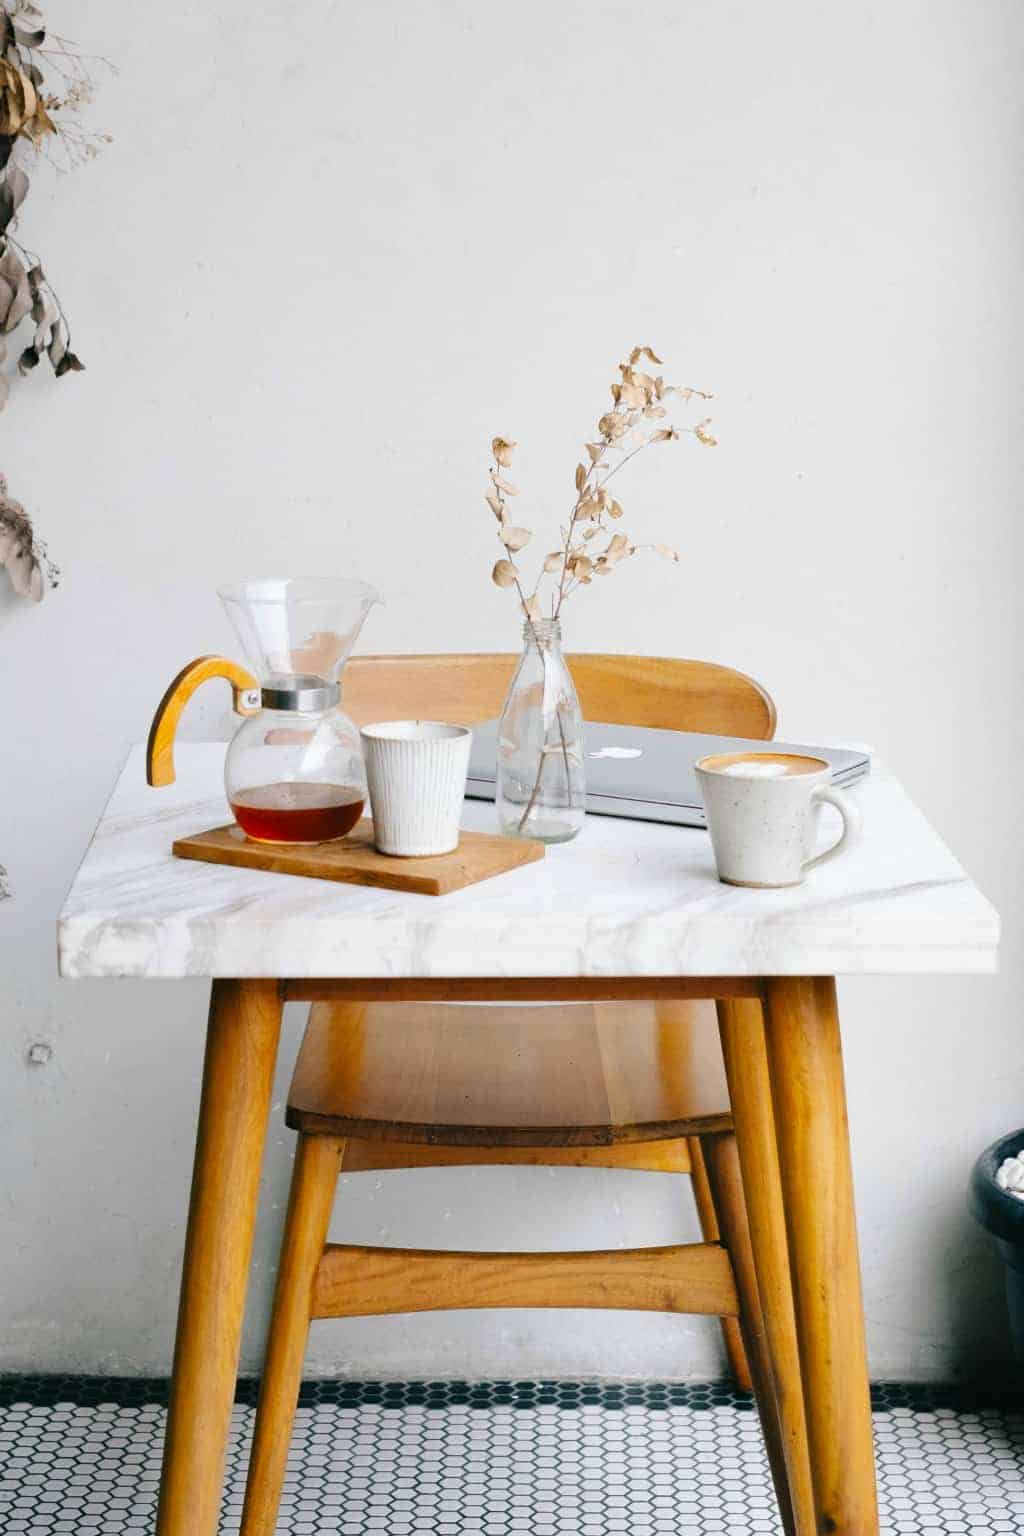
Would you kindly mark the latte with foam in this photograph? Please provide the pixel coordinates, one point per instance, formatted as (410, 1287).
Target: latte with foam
(763, 765)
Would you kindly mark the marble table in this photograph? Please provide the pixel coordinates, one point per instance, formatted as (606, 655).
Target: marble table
(630, 910)
(629, 899)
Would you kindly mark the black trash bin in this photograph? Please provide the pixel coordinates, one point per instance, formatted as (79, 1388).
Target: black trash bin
(1002, 1215)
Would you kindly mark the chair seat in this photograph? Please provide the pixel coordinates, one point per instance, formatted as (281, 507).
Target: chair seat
(555, 1075)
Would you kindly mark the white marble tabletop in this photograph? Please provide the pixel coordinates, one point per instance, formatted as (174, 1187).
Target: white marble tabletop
(625, 899)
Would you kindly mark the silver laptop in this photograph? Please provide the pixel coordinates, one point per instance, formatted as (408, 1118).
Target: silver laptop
(648, 774)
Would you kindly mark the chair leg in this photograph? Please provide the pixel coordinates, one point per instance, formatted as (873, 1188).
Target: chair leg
(314, 1182)
(732, 1333)
(723, 1170)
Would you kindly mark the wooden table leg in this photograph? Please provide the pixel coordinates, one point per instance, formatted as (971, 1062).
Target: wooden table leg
(741, 1028)
(809, 1099)
(238, 1075)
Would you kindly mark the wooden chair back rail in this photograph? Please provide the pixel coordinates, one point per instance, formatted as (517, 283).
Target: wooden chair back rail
(356, 1281)
(620, 690)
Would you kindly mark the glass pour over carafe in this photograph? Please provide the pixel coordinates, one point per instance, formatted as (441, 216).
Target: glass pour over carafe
(294, 771)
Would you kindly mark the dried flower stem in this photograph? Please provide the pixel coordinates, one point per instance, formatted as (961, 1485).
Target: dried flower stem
(582, 496)
(637, 398)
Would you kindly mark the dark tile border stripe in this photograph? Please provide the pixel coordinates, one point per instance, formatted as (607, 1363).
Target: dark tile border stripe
(137, 1391)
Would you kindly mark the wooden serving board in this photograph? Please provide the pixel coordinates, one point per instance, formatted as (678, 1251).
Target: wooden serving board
(355, 861)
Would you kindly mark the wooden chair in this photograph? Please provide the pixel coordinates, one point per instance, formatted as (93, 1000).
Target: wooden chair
(409, 1085)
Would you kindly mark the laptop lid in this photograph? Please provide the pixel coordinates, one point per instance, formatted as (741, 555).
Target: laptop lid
(642, 772)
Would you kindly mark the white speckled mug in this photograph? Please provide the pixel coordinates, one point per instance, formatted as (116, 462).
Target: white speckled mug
(416, 772)
(762, 813)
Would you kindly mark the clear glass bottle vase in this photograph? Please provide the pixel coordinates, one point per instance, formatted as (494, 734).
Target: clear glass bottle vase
(541, 788)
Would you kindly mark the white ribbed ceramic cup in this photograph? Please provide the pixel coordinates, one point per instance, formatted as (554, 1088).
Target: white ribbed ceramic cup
(416, 771)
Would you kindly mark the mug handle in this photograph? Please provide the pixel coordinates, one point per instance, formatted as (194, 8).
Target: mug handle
(825, 794)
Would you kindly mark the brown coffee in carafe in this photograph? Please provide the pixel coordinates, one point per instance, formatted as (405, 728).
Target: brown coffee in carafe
(297, 813)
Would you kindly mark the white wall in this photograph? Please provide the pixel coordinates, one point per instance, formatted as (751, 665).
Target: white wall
(333, 249)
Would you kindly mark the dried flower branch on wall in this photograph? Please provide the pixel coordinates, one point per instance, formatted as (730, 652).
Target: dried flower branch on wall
(44, 84)
(28, 564)
(590, 547)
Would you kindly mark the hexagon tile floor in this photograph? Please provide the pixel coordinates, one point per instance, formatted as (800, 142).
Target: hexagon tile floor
(523, 1458)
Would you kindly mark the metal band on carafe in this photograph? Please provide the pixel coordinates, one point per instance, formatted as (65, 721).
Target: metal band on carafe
(301, 692)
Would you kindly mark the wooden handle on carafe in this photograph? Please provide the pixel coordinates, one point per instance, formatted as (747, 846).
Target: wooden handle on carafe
(160, 746)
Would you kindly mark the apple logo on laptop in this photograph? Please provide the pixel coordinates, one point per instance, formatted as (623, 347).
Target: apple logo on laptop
(617, 752)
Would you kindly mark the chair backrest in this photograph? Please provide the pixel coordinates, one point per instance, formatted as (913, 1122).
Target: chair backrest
(620, 690)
